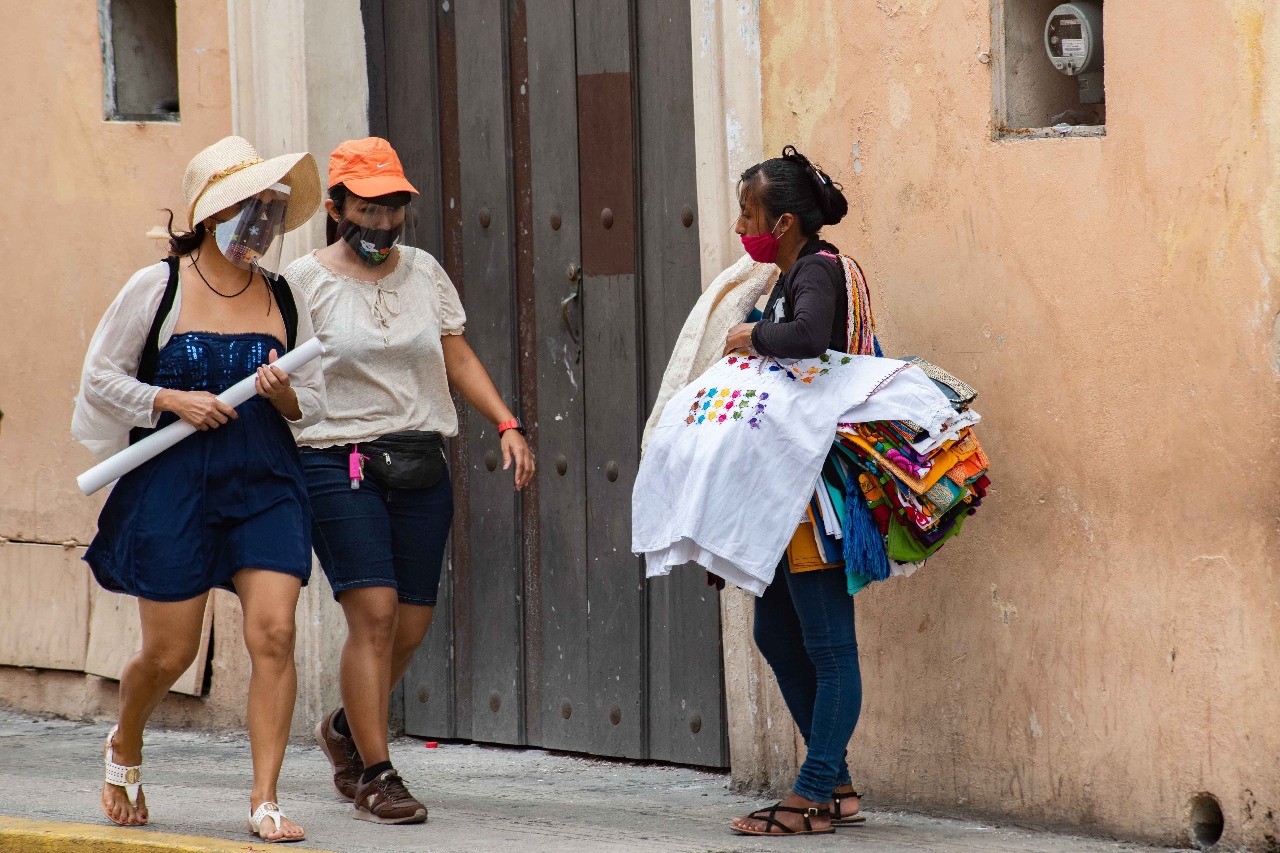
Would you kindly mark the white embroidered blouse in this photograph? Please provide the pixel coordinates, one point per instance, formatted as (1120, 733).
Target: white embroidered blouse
(384, 361)
(112, 401)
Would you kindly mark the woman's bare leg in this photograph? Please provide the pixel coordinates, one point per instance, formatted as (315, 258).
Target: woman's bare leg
(412, 623)
(170, 641)
(371, 613)
(269, 600)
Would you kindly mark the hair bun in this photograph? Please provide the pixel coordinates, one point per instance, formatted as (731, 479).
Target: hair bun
(830, 195)
(832, 201)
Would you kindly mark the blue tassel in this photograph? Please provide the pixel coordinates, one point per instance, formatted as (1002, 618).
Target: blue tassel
(876, 343)
(863, 545)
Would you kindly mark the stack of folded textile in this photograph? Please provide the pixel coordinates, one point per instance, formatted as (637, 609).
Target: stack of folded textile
(890, 496)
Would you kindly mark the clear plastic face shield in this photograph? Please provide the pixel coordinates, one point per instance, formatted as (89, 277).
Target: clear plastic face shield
(254, 237)
(373, 229)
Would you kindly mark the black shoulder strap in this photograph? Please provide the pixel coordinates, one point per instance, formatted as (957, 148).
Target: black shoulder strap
(151, 349)
(288, 309)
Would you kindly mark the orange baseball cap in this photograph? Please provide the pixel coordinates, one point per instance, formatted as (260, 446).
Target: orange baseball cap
(368, 167)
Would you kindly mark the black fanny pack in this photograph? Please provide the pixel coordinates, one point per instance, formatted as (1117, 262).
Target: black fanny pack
(405, 460)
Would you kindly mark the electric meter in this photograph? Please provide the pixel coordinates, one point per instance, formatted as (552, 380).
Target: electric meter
(1073, 40)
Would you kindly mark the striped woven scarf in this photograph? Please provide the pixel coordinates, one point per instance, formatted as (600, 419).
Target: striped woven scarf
(862, 326)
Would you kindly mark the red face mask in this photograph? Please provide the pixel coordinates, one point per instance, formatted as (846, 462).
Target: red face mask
(763, 248)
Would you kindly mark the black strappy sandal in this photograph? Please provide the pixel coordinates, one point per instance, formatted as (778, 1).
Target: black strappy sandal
(768, 816)
(837, 816)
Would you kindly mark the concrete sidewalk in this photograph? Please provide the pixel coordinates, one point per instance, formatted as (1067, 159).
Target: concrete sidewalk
(480, 798)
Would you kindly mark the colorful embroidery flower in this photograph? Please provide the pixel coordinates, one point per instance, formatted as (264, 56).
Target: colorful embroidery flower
(721, 418)
(724, 393)
(700, 393)
(735, 394)
(690, 419)
(733, 359)
(755, 423)
(764, 395)
(737, 416)
(729, 405)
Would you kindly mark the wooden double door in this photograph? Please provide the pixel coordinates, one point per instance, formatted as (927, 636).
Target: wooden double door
(553, 145)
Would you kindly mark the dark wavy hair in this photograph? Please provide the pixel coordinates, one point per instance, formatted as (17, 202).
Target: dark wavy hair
(792, 184)
(338, 194)
(183, 243)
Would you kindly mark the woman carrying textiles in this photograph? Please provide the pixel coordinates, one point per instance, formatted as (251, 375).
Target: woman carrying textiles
(226, 507)
(392, 327)
(804, 622)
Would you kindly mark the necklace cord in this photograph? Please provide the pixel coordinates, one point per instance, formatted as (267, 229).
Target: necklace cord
(196, 267)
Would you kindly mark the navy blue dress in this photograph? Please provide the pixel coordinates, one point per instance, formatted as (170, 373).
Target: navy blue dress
(219, 501)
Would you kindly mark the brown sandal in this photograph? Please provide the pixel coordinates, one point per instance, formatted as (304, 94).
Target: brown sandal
(768, 816)
(837, 814)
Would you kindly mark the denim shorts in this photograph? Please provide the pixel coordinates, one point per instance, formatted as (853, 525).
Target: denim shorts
(375, 537)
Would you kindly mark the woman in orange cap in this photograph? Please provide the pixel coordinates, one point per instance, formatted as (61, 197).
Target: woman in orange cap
(226, 507)
(392, 325)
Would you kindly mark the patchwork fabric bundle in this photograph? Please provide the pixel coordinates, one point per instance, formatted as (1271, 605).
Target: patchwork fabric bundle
(890, 496)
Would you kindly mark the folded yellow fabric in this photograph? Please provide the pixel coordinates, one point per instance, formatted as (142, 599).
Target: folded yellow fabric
(802, 553)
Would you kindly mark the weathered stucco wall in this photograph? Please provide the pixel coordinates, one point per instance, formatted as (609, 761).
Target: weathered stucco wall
(1100, 644)
(727, 131)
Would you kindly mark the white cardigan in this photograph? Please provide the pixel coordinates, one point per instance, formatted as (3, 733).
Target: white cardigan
(112, 401)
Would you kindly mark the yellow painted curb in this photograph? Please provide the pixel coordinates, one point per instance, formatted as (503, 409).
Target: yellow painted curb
(47, 836)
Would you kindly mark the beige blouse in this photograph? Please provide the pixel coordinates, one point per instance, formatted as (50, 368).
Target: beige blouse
(383, 359)
(112, 401)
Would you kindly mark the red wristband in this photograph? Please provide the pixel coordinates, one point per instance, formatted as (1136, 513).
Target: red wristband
(514, 423)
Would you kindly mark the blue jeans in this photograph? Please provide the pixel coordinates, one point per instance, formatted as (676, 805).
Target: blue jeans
(804, 628)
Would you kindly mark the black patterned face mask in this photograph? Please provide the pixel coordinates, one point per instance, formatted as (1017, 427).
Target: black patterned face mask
(373, 245)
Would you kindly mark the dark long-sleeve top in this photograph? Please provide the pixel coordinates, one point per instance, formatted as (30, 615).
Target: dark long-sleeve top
(808, 311)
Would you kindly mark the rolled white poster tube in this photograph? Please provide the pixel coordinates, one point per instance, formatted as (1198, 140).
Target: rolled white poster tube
(110, 470)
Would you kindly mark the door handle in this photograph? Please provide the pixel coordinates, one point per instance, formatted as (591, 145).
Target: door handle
(575, 276)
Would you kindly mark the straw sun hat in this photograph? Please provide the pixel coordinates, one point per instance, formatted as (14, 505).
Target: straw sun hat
(230, 170)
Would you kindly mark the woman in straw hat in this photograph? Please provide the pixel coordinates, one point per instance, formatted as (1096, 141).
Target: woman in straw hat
(226, 507)
(394, 325)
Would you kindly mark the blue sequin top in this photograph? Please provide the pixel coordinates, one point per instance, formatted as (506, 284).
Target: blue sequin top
(208, 361)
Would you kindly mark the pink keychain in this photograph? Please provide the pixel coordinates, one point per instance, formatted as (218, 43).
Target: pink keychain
(355, 466)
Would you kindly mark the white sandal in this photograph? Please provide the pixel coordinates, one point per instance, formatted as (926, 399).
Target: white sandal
(270, 810)
(129, 778)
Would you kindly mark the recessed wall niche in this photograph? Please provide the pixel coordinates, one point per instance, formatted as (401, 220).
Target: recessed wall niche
(139, 59)
(1031, 98)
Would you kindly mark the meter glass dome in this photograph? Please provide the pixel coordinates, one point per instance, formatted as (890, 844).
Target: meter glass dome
(1073, 41)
